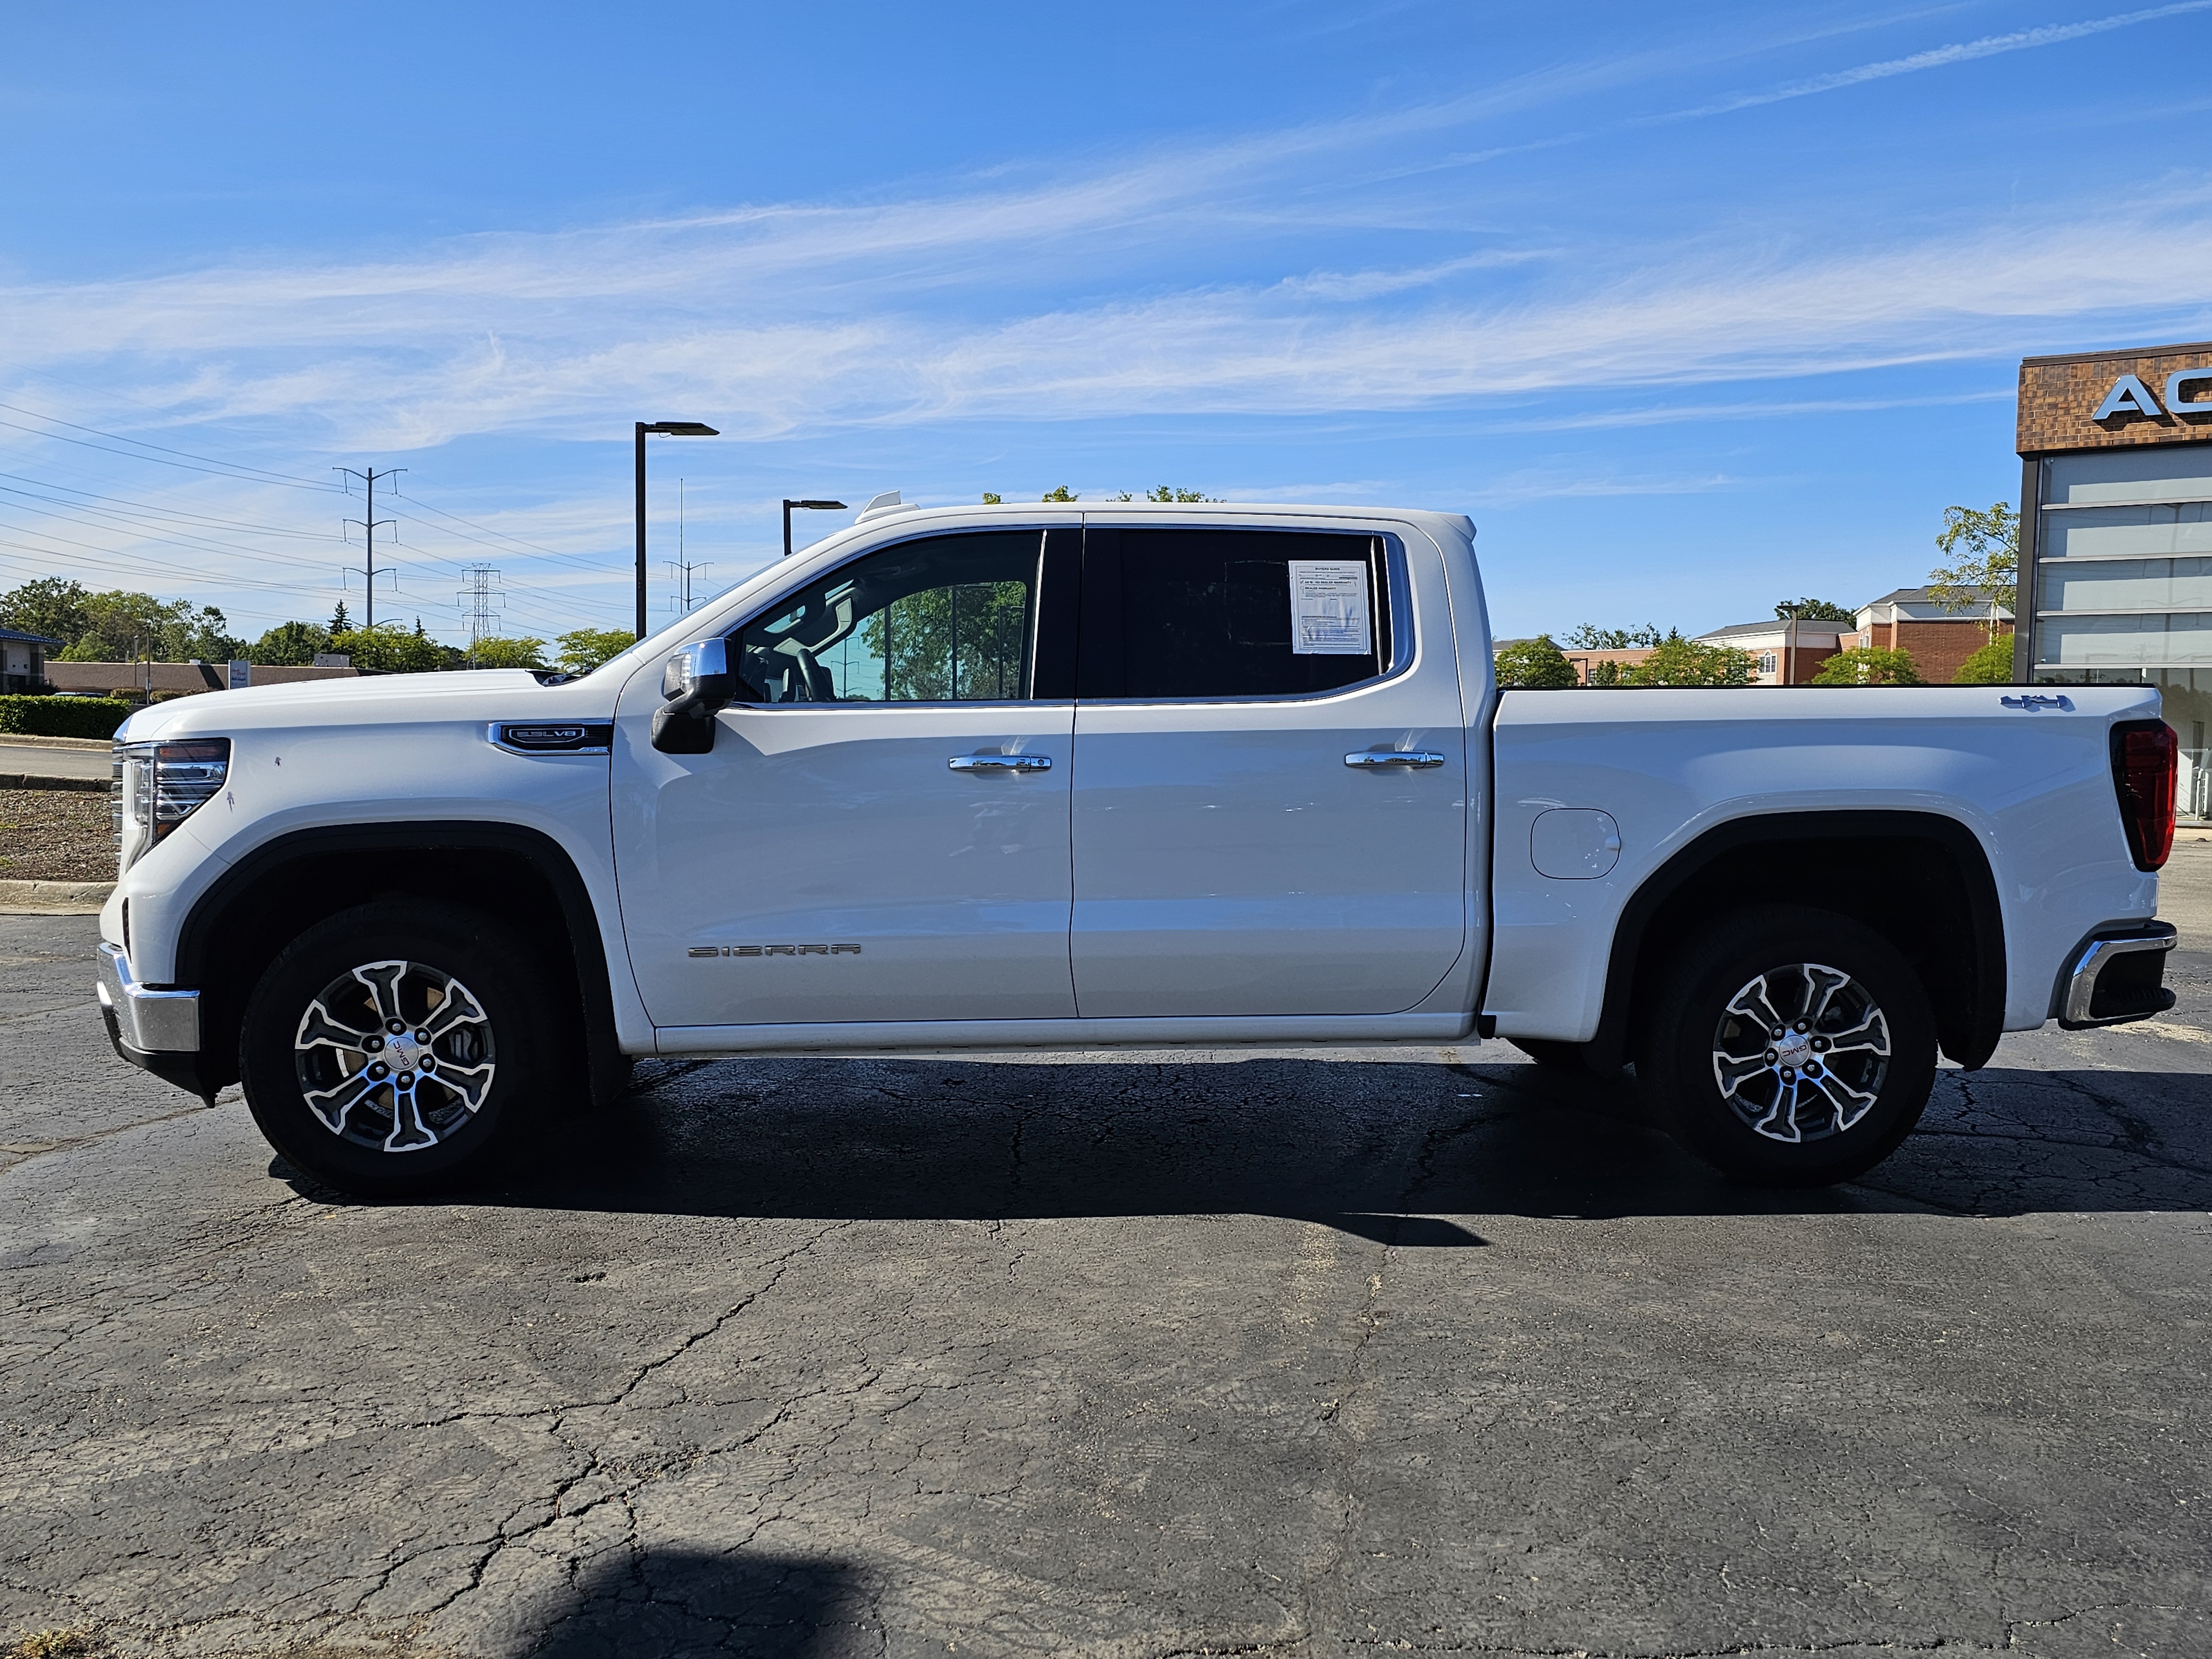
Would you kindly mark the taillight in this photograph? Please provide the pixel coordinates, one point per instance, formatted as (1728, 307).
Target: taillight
(2145, 757)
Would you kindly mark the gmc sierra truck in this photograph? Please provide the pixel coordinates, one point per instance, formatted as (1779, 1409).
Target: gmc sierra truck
(1073, 777)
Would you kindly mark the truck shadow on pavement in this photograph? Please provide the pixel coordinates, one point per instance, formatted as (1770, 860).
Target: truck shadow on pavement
(744, 1602)
(1389, 1150)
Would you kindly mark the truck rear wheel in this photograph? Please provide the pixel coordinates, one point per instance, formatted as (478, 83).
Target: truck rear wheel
(391, 1049)
(1789, 1047)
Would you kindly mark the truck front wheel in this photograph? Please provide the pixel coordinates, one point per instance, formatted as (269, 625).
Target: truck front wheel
(1789, 1046)
(391, 1049)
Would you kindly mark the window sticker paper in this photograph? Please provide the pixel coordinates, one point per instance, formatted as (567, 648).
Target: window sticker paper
(1329, 608)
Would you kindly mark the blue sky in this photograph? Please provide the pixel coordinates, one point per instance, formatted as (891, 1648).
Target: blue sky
(1692, 309)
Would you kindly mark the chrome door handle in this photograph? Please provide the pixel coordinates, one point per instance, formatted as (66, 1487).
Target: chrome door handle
(1000, 763)
(1373, 757)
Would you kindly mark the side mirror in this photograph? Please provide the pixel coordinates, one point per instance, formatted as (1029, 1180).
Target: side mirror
(696, 683)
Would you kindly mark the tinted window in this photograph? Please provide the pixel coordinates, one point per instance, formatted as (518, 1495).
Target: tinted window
(1236, 613)
(946, 619)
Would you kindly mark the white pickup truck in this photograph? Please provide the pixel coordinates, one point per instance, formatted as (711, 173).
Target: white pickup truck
(1039, 777)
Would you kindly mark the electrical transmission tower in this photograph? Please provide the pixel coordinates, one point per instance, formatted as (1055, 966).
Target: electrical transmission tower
(483, 594)
(370, 523)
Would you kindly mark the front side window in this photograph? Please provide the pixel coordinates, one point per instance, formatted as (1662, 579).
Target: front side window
(1232, 613)
(945, 619)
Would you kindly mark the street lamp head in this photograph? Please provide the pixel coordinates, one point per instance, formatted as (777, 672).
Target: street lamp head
(837, 506)
(679, 428)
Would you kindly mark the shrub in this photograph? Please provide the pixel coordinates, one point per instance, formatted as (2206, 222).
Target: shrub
(1534, 664)
(1991, 665)
(1868, 664)
(491, 651)
(63, 717)
(587, 647)
(1678, 661)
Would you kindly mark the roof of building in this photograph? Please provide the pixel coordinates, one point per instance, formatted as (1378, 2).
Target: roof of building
(1778, 625)
(21, 638)
(1978, 596)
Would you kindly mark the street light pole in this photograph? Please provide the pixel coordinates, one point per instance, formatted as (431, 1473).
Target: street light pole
(835, 506)
(666, 429)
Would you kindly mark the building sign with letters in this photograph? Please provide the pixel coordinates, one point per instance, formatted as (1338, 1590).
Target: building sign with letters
(2105, 400)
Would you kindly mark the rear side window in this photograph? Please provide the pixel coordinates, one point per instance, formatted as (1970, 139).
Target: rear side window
(943, 619)
(1231, 613)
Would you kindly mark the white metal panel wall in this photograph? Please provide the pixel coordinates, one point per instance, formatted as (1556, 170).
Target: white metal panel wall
(2125, 561)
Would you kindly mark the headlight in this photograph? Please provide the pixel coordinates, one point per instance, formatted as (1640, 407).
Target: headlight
(157, 786)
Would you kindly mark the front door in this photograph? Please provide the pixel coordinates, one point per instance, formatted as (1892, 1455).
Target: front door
(1271, 790)
(880, 831)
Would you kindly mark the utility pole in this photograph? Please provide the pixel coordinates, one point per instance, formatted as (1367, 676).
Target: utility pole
(679, 568)
(484, 594)
(369, 526)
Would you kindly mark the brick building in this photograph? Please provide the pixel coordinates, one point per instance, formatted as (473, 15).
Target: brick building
(1910, 619)
(1783, 653)
(106, 677)
(1586, 662)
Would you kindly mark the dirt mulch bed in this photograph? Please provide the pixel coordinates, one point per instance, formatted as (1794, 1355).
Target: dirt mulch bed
(56, 835)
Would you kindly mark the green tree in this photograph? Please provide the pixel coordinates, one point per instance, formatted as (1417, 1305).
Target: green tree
(292, 644)
(121, 627)
(946, 644)
(587, 647)
(1677, 661)
(492, 652)
(391, 648)
(1868, 665)
(1590, 638)
(1536, 665)
(51, 605)
(1164, 493)
(1991, 665)
(1813, 611)
(340, 622)
(1983, 575)
(1061, 492)
(990, 498)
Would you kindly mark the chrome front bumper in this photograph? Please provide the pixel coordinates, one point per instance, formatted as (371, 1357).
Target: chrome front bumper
(152, 1022)
(2116, 979)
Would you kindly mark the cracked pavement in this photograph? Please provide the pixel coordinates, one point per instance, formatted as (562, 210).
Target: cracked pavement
(1420, 1352)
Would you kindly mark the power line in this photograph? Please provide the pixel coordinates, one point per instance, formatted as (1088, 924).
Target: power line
(231, 467)
(169, 515)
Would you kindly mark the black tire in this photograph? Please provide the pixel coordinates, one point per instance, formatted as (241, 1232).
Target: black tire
(1546, 1051)
(1823, 1103)
(453, 973)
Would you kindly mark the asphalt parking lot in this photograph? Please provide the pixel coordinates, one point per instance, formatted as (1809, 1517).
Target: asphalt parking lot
(1421, 1352)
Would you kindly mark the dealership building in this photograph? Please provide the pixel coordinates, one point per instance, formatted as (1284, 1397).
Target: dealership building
(2116, 532)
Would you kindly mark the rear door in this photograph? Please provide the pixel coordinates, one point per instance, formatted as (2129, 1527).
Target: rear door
(1270, 805)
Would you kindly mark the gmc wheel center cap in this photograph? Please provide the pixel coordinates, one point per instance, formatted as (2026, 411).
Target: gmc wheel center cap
(402, 1053)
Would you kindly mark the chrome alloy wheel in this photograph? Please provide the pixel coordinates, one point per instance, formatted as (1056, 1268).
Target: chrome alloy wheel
(396, 1055)
(1801, 1052)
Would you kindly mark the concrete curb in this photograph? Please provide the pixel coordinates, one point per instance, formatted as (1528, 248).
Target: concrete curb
(50, 780)
(53, 898)
(32, 740)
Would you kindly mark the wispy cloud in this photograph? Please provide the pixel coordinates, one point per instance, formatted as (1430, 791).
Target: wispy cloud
(545, 334)
(1964, 52)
